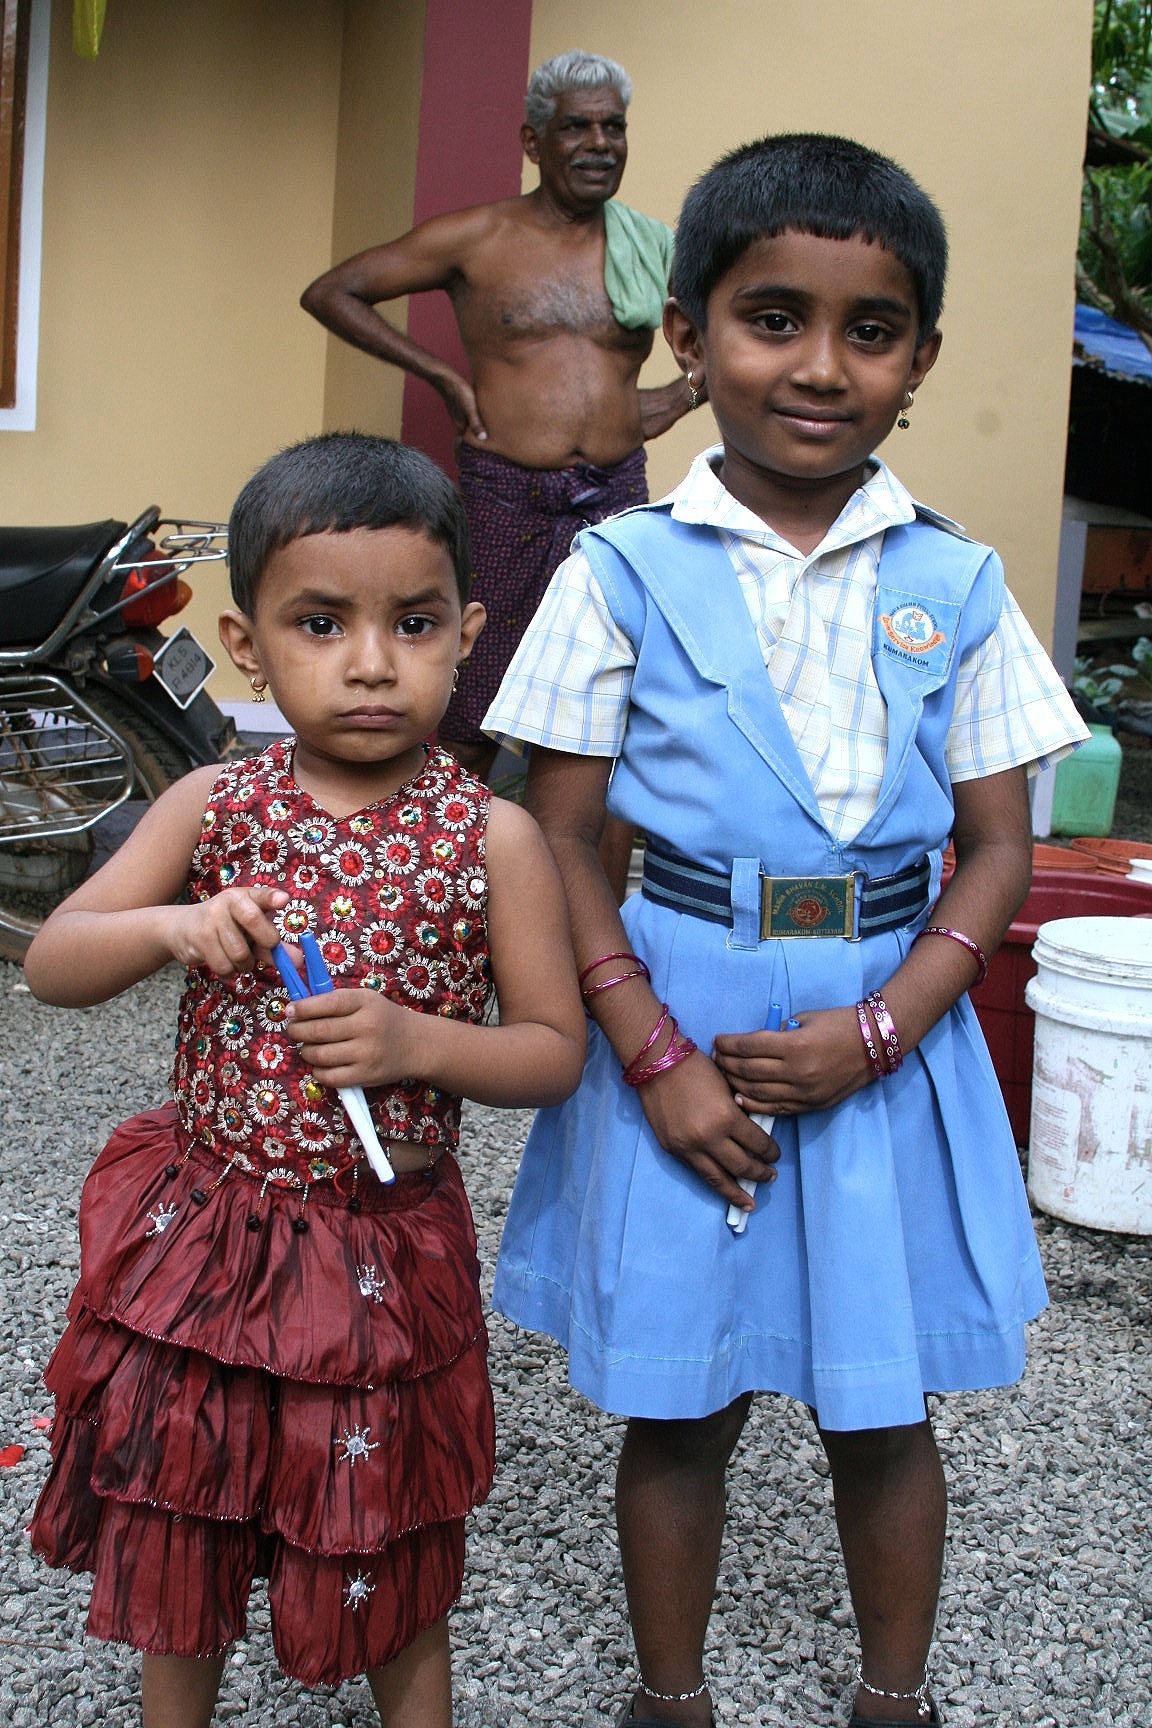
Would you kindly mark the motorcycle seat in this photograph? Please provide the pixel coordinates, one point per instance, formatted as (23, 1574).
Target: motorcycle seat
(42, 570)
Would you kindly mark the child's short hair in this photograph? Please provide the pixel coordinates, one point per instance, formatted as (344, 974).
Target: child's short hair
(814, 183)
(334, 483)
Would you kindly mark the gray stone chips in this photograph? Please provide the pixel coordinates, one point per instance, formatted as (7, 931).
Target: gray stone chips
(1045, 1618)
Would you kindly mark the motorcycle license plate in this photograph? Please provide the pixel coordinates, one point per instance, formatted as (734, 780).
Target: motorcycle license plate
(183, 668)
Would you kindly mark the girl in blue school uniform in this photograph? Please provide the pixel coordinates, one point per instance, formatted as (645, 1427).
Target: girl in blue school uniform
(799, 685)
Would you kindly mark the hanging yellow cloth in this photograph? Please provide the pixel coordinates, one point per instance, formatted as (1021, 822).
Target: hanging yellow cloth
(87, 25)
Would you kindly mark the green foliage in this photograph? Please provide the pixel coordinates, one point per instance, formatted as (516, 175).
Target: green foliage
(1115, 253)
(1121, 684)
(1116, 237)
(1121, 60)
(1100, 685)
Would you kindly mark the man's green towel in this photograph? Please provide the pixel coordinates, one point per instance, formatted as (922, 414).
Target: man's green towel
(637, 262)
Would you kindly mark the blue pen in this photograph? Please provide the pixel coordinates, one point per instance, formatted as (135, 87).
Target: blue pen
(352, 1097)
(737, 1218)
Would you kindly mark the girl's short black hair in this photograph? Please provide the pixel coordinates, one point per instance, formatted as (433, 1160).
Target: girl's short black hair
(334, 483)
(814, 183)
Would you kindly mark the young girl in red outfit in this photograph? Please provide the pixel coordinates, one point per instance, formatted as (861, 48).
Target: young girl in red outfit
(275, 1362)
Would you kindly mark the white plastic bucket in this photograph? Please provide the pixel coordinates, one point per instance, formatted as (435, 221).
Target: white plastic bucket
(1090, 1148)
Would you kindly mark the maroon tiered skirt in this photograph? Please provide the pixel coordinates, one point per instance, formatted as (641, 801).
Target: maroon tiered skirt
(248, 1386)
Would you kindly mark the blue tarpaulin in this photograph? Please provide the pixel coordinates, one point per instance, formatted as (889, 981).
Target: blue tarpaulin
(1117, 350)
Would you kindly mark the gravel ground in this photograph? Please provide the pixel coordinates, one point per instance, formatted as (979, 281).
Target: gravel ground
(1048, 1594)
(1047, 1605)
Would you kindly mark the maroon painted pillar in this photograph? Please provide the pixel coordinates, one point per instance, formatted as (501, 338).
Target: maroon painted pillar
(468, 152)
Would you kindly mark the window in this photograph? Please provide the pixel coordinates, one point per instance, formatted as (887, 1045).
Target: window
(23, 98)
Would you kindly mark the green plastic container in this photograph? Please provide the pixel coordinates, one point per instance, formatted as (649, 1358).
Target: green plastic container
(1084, 794)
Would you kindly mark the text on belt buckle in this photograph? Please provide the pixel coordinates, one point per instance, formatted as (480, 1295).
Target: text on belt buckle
(807, 906)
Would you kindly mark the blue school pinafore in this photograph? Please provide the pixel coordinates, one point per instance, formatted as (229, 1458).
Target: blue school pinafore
(894, 1255)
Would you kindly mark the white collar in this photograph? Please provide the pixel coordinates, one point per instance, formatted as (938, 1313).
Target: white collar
(881, 502)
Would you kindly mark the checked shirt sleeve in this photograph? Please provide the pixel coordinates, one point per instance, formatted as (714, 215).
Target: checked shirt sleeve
(1011, 708)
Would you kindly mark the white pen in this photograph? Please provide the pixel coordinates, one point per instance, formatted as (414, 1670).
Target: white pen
(737, 1217)
(352, 1097)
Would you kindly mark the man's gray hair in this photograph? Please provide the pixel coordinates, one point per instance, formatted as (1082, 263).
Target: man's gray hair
(572, 71)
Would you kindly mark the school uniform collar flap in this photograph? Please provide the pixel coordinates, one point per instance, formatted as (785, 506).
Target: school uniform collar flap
(688, 575)
(718, 635)
(923, 580)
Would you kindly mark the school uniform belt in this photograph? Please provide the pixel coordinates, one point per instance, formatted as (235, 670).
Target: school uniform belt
(847, 906)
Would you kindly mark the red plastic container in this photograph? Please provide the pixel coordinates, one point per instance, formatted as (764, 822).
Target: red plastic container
(1113, 855)
(1005, 1018)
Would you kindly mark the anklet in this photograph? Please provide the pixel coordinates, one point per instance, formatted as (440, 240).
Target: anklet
(674, 1697)
(919, 1697)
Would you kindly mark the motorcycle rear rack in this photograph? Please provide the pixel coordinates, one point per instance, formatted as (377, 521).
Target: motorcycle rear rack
(187, 543)
(62, 766)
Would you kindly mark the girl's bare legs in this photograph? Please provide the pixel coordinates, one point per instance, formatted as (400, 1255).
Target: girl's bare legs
(179, 1691)
(891, 1511)
(414, 1690)
(670, 1516)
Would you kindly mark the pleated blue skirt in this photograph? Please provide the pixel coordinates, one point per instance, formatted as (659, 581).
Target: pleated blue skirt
(893, 1256)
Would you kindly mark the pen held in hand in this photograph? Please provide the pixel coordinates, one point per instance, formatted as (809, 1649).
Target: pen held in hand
(737, 1217)
(352, 1097)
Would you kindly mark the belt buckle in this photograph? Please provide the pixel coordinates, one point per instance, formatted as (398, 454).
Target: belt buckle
(793, 906)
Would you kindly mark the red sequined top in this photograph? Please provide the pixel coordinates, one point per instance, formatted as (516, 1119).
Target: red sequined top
(396, 896)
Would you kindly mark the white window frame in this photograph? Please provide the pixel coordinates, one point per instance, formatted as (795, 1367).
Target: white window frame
(22, 417)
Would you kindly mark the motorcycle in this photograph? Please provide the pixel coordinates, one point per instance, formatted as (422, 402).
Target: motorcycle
(99, 711)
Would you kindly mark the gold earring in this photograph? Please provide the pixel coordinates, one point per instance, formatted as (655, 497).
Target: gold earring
(693, 395)
(903, 422)
(455, 679)
(259, 685)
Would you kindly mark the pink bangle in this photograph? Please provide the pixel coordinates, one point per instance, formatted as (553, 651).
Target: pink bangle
(603, 961)
(874, 1056)
(638, 1060)
(678, 1050)
(973, 948)
(610, 983)
(886, 1026)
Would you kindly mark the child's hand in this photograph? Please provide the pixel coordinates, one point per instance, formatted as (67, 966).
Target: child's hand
(695, 1117)
(813, 1066)
(355, 1037)
(228, 933)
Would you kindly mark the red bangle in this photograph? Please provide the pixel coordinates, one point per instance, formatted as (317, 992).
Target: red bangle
(679, 1048)
(874, 1056)
(973, 948)
(610, 983)
(603, 961)
(886, 1026)
(638, 1060)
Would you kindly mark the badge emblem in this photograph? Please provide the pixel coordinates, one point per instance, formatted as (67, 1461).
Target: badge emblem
(808, 913)
(913, 629)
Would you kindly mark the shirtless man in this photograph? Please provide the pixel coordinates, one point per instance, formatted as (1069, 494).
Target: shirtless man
(552, 426)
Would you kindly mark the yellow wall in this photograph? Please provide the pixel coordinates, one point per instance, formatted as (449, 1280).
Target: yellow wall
(375, 176)
(188, 194)
(984, 103)
(201, 171)
(217, 156)
(189, 175)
